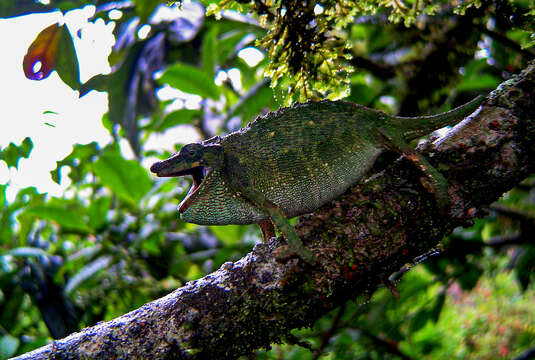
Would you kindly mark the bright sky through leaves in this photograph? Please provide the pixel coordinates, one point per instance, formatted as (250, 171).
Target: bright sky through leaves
(51, 114)
(68, 119)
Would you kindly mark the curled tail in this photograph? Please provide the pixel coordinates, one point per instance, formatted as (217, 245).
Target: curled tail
(415, 127)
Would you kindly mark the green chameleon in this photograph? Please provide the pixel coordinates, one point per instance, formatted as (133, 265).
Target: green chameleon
(294, 160)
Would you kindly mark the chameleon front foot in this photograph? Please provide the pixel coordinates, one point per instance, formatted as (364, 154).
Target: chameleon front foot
(268, 230)
(286, 251)
(295, 245)
(277, 217)
(294, 242)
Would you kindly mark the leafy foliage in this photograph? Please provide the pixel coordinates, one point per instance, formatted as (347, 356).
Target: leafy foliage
(113, 242)
(190, 80)
(308, 40)
(53, 49)
(12, 153)
(125, 178)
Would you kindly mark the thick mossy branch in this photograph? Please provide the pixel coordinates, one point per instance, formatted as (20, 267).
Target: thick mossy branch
(360, 239)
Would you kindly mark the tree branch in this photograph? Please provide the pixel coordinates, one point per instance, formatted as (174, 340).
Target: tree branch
(360, 238)
(528, 53)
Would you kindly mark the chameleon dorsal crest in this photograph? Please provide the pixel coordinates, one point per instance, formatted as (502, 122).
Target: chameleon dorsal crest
(294, 160)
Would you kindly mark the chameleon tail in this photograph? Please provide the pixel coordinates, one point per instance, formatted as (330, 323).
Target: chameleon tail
(416, 127)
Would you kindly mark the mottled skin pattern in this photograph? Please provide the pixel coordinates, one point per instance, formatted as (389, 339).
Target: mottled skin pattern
(294, 160)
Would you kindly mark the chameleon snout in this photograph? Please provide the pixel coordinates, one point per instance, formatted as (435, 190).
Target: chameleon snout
(164, 168)
(174, 166)
(156, 167)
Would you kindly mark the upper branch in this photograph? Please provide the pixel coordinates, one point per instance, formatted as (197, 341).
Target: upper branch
(360, 238)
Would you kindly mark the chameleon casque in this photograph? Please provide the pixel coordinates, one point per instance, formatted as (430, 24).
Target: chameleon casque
(294, 160)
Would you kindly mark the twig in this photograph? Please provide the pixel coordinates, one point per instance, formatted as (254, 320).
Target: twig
(387, 344)
(504, 40)
(526, 355)
(329, 333)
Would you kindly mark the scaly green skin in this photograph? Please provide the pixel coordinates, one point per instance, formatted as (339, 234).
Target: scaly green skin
(294, 160)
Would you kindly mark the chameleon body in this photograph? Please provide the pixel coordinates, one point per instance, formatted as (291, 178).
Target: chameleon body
(294, 160)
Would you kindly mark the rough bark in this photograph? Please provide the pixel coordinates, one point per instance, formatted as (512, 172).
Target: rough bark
(360, 238)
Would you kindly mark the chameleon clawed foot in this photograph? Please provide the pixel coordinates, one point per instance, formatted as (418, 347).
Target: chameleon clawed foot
(285, 252)
(306, 255)
(295, 244)
(279, 220)
(441, 195)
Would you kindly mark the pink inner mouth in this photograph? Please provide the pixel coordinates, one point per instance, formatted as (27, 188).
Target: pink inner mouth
(198, 174)
(185, 204)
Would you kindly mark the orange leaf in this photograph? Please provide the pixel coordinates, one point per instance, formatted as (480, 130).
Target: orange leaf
(44, 49)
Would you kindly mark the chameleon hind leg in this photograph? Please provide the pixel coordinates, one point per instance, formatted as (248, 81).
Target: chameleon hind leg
(436, 183)
(268, 230)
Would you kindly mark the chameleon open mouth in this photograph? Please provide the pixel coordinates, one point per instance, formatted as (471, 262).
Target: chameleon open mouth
(198, 173)
(162, 169)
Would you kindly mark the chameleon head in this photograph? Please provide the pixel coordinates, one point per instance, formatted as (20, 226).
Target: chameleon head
(195, 159)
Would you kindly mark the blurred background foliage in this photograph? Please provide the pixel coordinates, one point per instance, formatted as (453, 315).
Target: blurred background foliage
(114, 241)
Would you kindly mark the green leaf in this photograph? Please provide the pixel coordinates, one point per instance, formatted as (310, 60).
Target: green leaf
(190, 80)
(469, 276)
(419, 320)
(125, 89)
(52, 49)
(12, 304)
(98, 82)
(362, 93)
(3, 200)
(98, 211)
(8, 346)
(125, 178)
(145, 8)
(12, 154)
(152, 244)
(23, 7)
(87, 272)
(252, 104)
(478, 82)
(437, 307)
(475, 67)
(227, 43)
(26, 197)
(209, 51)
(70, 219)
(78, 160)
(525, 268)
(229, 234)
(182, 116)
(67, 62)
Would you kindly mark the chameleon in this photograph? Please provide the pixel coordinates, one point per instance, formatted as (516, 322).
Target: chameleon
(294, 160)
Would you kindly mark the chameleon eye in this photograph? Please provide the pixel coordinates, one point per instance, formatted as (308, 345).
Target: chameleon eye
(188, 150)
